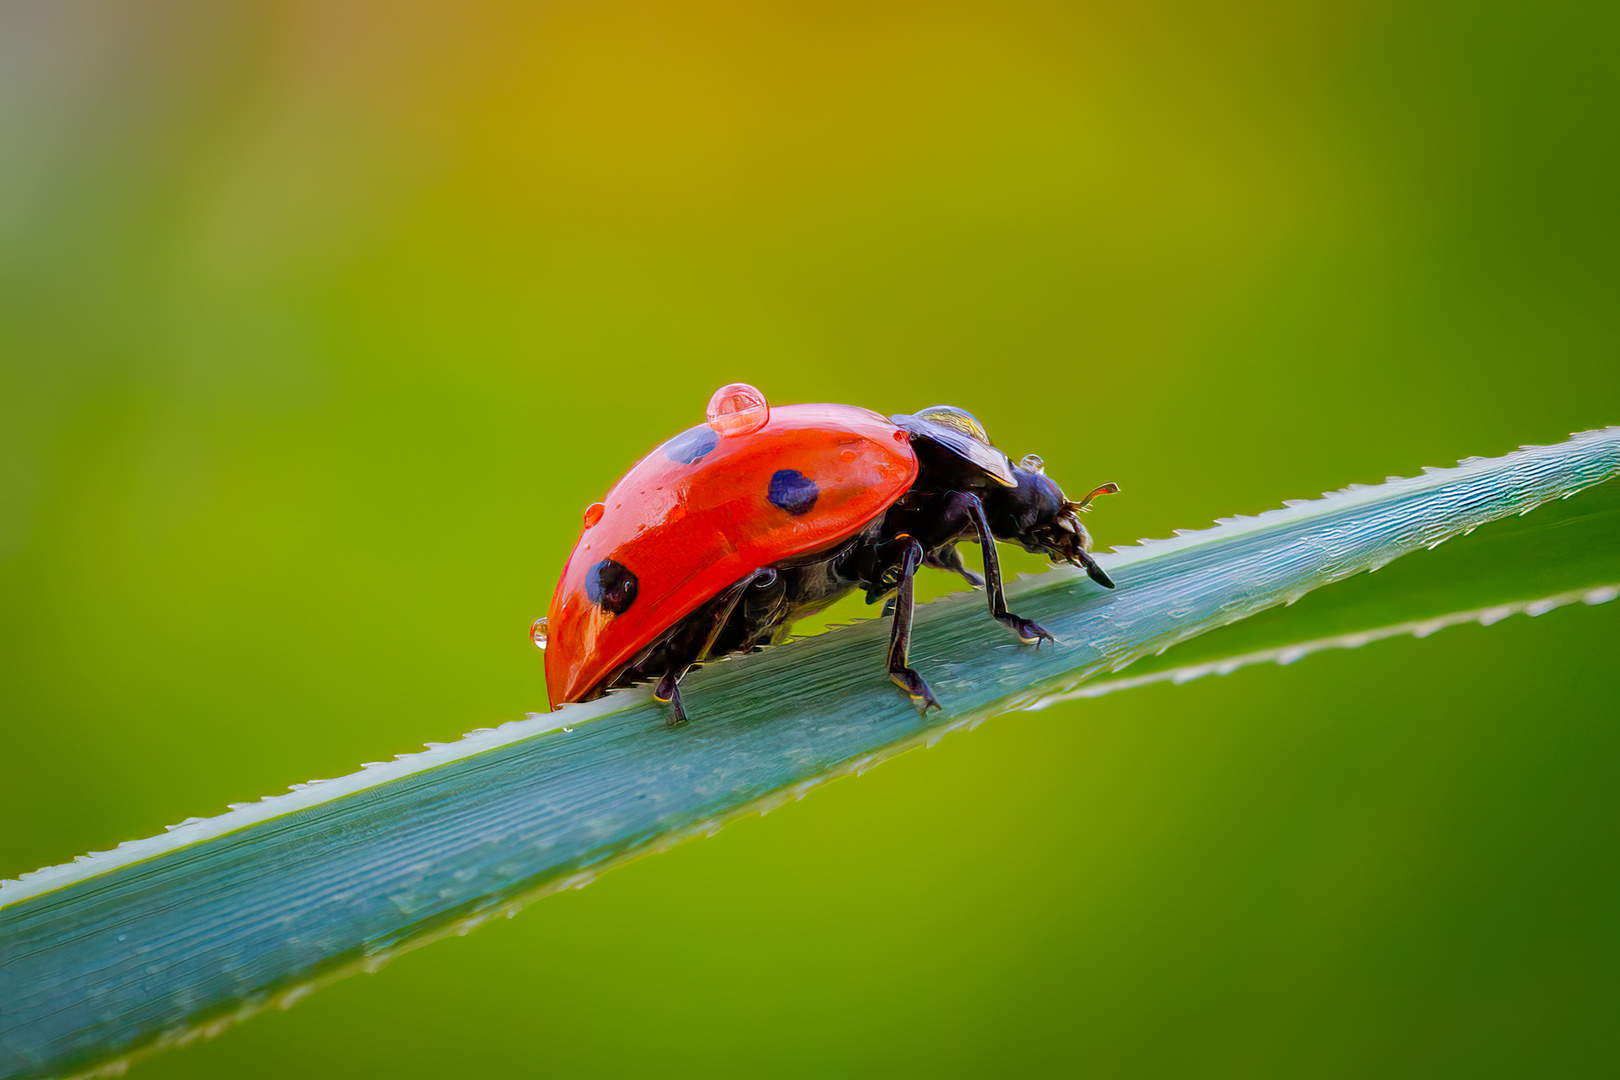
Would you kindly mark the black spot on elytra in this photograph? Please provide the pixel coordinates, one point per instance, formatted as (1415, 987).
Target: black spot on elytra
(690, 447)
(611, 585)
(792, 491)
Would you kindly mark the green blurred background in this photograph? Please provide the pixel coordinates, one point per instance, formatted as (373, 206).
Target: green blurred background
(320, 323)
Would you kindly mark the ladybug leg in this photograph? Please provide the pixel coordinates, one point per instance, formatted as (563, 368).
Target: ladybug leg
(668, 689)
(910, 557)
(948, 558)
(669, 692)
(966, 505)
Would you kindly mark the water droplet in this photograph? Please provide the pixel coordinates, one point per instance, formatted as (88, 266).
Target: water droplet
(537, 633)
(593, 514)
(846, 455)
(738, 409)
(1033, 463)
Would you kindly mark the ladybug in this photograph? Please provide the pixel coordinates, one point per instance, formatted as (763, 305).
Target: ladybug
(717, 540)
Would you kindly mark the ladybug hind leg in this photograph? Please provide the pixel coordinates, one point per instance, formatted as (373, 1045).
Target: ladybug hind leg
(910, 556)
(668, 689)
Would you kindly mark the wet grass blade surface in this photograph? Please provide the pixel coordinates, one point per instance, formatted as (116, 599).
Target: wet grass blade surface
(173, 936)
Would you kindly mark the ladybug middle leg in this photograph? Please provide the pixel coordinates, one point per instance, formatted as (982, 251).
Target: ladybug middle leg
(963, 511)
(948, 558)
(907, 554)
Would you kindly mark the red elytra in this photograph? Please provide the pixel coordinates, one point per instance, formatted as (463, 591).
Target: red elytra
(704, 511)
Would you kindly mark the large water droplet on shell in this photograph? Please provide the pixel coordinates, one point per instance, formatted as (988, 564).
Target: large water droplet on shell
(738, 409)
(537, 633)
(593, 514)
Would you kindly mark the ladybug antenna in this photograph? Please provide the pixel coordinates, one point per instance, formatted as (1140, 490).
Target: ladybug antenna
(1085, 504)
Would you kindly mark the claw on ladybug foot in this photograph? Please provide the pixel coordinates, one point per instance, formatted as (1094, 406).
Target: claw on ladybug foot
(668, 692)
(914, 686)
(1029, 633)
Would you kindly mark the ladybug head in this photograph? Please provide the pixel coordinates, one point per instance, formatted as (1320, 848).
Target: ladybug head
(1037, 515)
(1021, 504)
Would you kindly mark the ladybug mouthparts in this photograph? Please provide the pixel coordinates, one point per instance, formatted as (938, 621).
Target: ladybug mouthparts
(1064, 539)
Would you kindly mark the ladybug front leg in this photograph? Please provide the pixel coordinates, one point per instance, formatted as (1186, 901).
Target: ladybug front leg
(909, 557)
(964, 508)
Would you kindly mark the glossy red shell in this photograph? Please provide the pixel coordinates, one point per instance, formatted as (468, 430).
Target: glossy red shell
(686, 531)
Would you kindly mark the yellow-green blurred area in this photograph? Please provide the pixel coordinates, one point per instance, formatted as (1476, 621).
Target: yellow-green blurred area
(320, 324)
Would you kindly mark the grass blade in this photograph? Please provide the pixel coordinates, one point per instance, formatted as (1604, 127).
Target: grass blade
(1562, 554)
(169, 937)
